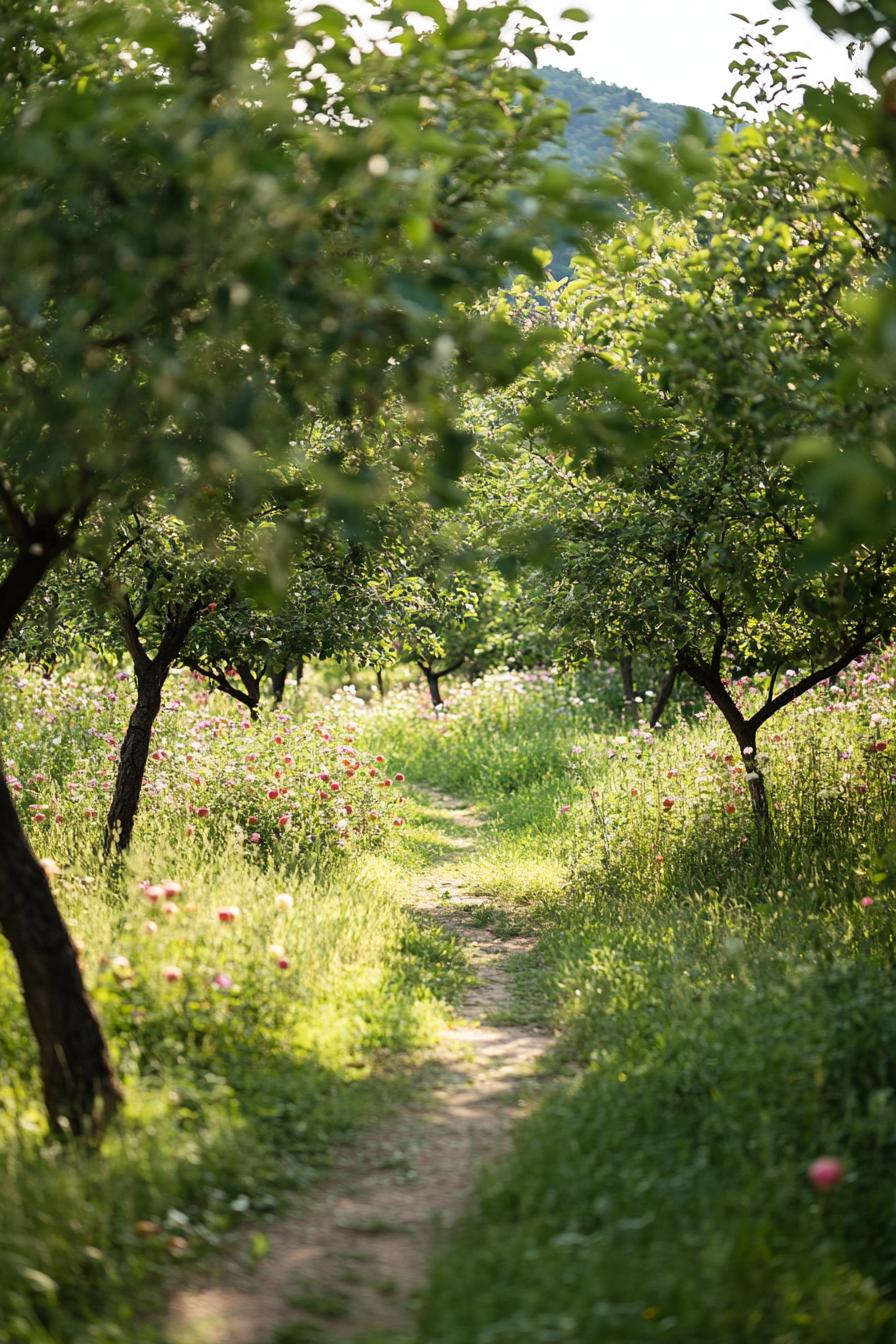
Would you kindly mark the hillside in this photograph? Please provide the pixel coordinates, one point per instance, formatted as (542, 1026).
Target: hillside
(596, 106)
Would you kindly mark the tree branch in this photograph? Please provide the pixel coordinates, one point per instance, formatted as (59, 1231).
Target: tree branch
(131, 632)
(852, 651)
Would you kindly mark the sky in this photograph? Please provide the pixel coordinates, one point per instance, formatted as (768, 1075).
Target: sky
(678, 50)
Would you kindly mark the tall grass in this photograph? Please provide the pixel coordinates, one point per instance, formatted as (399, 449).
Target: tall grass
(730, 1010)
(247, 1045)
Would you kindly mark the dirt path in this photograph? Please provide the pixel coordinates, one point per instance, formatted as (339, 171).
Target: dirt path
(345, 1263)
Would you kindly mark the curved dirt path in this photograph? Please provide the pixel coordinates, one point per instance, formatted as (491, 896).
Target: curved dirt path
(348, 1258)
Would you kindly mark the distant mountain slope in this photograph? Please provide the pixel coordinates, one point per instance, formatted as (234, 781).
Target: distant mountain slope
(585, 139)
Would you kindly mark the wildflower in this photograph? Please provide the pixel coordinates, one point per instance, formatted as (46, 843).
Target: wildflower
(172, 973)
(283, 963)
(668, 804)
(276, 950)
(866, 901)
(222, 981)
(154, 893)
(228, 913)
(149, 926)
(283, 901)
(825, 1172)
(50, 867)
(255, 838)
(564, 807)
(171, 888)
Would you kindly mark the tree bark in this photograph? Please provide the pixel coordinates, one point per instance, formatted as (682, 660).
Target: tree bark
(628, 686)
(278, 684)
(132, 761)
(151, 674)
(664, 695)
(380, 684)
(300, 670)
(746, 740)
(710, 678)
(253, 688)
(79, 1086)
(432, 682)
(433, 678)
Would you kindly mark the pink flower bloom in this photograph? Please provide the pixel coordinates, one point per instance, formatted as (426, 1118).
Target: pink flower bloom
(866, 901)
(150, 926)
(564, 807)
(171, 973)
(222, 981)
(825, 1172)
(283, 963)
(228, 913)
(154, 893)
(254, 838)
(170, 908)
(202, 811)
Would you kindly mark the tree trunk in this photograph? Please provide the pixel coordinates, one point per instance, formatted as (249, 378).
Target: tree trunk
(253, 688)
(432, 681)
(667, 686)
(746, 740)
(300, 670)
(380, 685)
(278, 684)
(628, 687)
(79, 1086)
(132, 760)
(744, 730)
